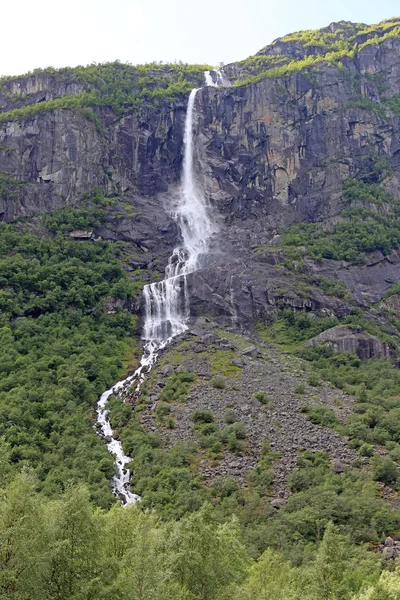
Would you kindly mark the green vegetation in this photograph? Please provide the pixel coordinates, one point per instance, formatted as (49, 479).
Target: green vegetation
(370, 222)
(60, 350)
(318, 46)
(177, 387)
(91, 213)
(9, 188)
(121, 87)
(219, 383)
(262, 397)
(66, 549)
(374, 383)
(202, 416)
(320, 415)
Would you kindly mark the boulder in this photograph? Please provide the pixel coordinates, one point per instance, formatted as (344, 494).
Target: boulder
(167, 370)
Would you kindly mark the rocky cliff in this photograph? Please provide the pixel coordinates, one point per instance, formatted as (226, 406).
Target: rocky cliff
(304, 115)
(299, 158)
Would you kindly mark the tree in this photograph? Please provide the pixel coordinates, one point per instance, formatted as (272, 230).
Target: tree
(271, 578)
(204, 557)
(73, 546)
(340, 568)
(22, 540)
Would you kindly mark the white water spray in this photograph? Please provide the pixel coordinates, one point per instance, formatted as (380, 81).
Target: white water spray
(218, 80)
(166, 303)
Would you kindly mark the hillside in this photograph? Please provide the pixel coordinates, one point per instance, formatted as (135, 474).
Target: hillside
(277, 401)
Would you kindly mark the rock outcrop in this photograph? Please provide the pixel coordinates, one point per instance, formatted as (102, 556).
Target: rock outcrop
(345, 339)
(270, 151)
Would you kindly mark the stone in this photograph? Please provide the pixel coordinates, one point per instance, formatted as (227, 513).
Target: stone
(209, 338)
(343, 339)
(250, 351)
(389, 541)
(81, 234)
(278, 503)
(236, 362)
(338, 466)
(167, 370)
(388, 552)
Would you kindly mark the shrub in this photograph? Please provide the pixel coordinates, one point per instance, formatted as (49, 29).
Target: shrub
(366, 450)
(261, 479)
(202, 416)
(385, 470)
(314, 380)
(177, 387)
(300, 389)
(218, 383)
(163, 409)
(234, 444)
(320, 415)
(237, 429)
(207, 428)
(230, 417)
(261, 397)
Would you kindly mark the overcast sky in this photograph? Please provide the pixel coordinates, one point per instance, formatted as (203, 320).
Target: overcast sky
(41, 33)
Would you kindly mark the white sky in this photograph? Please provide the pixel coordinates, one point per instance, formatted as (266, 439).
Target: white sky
(41, 33)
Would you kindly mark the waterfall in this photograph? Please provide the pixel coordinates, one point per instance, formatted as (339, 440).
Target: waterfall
(218, 80)
(166, 303)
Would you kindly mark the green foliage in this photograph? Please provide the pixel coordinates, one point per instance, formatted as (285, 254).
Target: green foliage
(372, 222)
(60, 350)
(9, 188)
(315, 47)
(295, 327)
(393, 103)
(230, 417)
(67, 549)
(121, 87)
(202, 416)
(385, 470)
(163, 409)
(218, 383)
(177, 387)
(70, 218)
(262, 397)
(366, 450)
(376, 384)
(320, 415)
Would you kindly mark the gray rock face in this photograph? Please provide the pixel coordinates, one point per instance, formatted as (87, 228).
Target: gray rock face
(273, 152)
(60, 155)
(344, 339)
(268, 154)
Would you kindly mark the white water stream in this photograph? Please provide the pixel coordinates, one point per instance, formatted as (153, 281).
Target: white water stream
(166, 303)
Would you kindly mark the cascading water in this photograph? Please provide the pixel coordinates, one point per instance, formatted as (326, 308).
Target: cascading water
(166, 303)
(218, 80)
